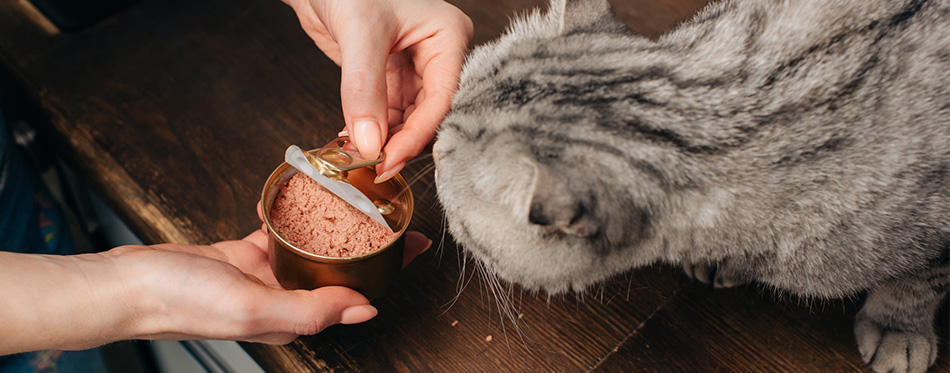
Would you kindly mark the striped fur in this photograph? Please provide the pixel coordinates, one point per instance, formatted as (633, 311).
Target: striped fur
(801, 144)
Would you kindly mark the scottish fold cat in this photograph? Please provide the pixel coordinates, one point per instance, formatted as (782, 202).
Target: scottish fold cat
(804, 145)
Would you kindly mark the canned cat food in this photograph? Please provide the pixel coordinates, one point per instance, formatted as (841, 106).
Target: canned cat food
(356, 256)
(315, 220)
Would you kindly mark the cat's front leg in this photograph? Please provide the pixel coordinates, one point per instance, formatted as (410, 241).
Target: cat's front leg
(720, 275)
(895, 327)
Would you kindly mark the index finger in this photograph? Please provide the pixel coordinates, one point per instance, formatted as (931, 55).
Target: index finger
(440, 73)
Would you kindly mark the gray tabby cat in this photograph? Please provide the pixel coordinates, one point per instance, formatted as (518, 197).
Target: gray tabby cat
(801, 144)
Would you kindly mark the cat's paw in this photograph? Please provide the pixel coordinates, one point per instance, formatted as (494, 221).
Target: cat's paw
(891, 350)
(718, 275)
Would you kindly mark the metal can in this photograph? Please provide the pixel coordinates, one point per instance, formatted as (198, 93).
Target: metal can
(369, 274)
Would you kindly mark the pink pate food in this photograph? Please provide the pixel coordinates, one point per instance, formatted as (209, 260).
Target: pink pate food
(317, 221)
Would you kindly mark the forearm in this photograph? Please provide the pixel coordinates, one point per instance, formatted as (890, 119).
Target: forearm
(63, 302)
(220, 291)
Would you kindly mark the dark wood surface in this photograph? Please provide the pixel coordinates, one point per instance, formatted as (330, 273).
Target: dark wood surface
(177, 110)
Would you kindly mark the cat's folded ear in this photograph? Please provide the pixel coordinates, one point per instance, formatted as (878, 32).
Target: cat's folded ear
(586, 16)
(554, 204)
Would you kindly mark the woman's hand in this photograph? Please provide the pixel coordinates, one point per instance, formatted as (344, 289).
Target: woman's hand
(227, 291)
(400, 62)
(170, 291)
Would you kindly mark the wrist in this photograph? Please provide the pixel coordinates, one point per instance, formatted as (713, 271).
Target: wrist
(110, 297)
(62, 302)
(135, 313)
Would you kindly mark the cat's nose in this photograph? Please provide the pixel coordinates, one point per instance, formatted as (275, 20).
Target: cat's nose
(557, 204)
(537, 215)
(571, 218)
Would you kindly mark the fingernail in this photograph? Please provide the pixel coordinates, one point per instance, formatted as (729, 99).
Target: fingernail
(357, 314)
(368, 138)
(390, 173)
(343, 133)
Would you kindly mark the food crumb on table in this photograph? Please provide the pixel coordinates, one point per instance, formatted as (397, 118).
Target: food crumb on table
(488, 338)
(454, 323)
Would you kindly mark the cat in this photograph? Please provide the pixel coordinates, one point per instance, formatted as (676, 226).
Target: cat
(804, 145)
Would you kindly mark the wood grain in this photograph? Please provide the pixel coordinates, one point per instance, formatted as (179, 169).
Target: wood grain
(176, 111)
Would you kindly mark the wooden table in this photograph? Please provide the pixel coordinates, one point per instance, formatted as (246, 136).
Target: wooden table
(177, 110)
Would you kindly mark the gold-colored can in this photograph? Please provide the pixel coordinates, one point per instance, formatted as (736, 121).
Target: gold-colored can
(369, 274)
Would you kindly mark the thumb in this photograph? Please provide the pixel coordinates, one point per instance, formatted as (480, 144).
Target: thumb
(363, 86)
(309, 312)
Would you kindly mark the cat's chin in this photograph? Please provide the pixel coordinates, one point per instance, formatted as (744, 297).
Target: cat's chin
(548, 287)
(563, 280)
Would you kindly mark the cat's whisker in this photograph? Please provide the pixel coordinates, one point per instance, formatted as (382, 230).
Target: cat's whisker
(419, 158)
(460, 286)
(418, 175)
(629, 285)
(506, 309)
(503, 303)
(483, 283)
(441, 247)
(520, 298)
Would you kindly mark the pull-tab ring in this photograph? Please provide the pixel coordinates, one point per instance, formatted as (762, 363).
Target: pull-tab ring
(335, 157)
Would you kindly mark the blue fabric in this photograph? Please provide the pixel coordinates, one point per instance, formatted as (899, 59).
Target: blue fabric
(19, 225)
(86, 361)
(30, 223)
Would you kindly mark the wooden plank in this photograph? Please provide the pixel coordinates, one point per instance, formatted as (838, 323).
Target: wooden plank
(419, 331)
(190, 104)
(654, 17)
(176, 111)
(749, 329)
